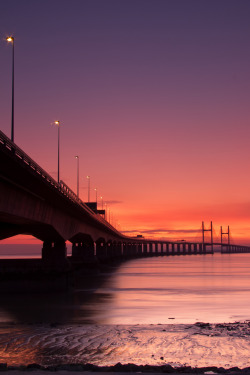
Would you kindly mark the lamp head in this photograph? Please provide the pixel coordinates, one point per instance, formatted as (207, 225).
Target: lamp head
(10, 39)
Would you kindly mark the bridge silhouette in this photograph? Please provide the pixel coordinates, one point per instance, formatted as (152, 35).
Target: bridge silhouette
(33, 203)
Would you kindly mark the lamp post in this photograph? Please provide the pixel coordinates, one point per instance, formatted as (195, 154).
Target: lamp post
(10, 39)
(102, 202)
(95, 195)
(105, 204)
(57, 123)
(88, 178)
(77, 158)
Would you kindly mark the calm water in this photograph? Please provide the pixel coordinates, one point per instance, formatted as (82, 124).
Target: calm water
(179, 289)
(141, 312)
(122, 311)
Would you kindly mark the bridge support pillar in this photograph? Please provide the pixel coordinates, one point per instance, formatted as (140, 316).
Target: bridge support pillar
(162, 249)
(125, 250)
(156, 248)
(101, 250)
(167, 248)
(54, 254)
(135, 249)
(129, 249)
(119, 249)
(178, 249)
(140, 249)
(195, 248)
(116, 249)
(150, 249)
(184, 248)
(174, 248)
(110, 249)
(83, 251)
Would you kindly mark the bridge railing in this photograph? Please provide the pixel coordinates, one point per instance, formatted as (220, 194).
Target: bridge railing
(65, 189)
(68, 192)
(19, 153)
(61, 187)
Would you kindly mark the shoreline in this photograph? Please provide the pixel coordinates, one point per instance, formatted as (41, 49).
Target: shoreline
(203, 348)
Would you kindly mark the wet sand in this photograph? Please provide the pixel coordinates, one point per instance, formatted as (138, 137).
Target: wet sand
(68, 372)
(200, 345)
(185, 371)
(115, 320)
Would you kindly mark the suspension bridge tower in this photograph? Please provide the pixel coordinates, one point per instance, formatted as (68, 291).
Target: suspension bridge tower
(223, 234)
(211, 237)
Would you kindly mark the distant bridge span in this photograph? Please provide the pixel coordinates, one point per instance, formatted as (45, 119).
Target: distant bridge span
(32, 202)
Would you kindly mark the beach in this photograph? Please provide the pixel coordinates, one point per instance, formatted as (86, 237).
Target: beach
(162, 314)
(199, 345)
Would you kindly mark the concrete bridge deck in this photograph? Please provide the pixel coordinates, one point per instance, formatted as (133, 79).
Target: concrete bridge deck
(32, 202)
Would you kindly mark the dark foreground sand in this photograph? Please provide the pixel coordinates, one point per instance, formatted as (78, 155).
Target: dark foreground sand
(88, 369)
(185, 371)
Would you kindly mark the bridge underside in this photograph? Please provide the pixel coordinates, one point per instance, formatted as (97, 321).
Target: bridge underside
(11, 226)
(32, 203)
(90, 245)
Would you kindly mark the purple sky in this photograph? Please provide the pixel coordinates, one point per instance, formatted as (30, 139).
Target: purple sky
(152, 95)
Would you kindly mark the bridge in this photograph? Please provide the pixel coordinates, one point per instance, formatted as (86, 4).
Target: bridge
(32, 202)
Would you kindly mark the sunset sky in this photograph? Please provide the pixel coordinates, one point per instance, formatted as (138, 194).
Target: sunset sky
(153, 95)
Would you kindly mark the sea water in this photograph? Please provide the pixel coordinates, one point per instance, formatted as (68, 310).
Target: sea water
(145, 311)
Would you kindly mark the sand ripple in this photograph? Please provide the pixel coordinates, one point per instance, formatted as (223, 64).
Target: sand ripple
(224, 345)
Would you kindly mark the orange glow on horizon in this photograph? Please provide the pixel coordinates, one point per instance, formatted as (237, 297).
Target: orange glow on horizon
(163, 129)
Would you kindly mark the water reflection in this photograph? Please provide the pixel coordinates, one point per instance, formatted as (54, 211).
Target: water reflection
(88, 324)
(212, 288)
(183, 289)
(80, 305)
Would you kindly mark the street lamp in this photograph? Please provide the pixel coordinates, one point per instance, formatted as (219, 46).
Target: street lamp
(95, 195)
(57, 123)
(102, 202)
(77, 157)
(88, 178)
(10, 39)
